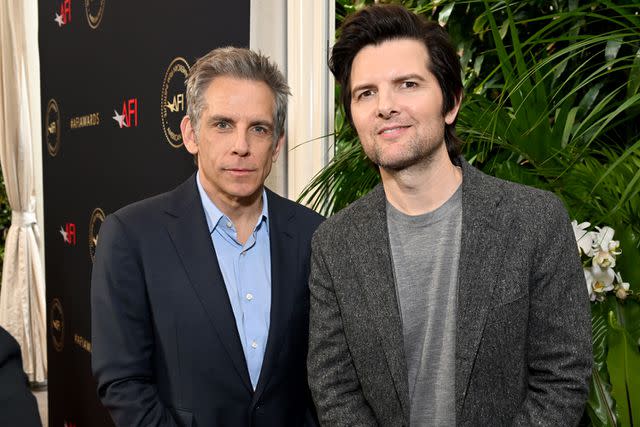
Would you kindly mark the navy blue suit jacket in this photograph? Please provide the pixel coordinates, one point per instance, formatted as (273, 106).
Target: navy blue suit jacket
(166, 350)
(17, 405)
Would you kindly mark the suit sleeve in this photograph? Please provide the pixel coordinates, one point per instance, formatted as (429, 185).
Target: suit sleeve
(122, 334)
(559, 342)
(333, 380)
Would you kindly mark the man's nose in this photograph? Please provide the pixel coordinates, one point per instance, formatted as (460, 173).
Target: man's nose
(386, 104)
(241, 144)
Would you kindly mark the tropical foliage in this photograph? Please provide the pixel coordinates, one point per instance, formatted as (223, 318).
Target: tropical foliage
(552, 100)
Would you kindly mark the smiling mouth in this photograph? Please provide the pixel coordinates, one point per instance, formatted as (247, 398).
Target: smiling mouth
(392, 130)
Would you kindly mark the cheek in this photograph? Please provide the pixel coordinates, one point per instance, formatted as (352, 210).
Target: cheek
(266, 156)
(360, 121)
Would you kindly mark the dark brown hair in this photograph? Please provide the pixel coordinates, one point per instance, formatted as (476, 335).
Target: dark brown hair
(378, 23)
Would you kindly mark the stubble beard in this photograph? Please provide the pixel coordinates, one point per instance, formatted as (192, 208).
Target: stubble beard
(419, 152)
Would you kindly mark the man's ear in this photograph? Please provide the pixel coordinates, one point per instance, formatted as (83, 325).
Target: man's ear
(188, 135)
(450, 116)
(277, 148)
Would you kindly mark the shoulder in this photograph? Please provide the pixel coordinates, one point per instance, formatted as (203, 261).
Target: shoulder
(282, 206)
(526, 218)
(513, 199)
(143, 219)
(16, 400)
(368, 210)
(9, 348)
(146, 210)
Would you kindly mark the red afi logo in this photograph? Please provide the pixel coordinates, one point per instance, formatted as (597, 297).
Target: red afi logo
(64, 17)
(68, 232)
(129, 115)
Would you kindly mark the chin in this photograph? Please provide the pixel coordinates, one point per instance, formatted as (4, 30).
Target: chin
(243, 193)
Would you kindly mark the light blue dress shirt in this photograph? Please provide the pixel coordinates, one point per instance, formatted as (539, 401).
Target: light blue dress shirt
(246, 270)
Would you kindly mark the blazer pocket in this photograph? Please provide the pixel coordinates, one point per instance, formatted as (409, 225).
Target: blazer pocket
(182, 418)
(506, 293)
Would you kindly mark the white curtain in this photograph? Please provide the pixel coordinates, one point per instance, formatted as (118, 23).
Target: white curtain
(22, 296)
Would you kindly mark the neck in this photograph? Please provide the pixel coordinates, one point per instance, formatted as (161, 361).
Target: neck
(242, 211)
(422, 188)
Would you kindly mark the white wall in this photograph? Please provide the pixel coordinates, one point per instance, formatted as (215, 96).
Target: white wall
(297, 35)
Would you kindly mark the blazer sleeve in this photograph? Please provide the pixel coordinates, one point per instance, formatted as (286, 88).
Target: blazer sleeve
(17, 403)
(122, 334)
(559, 313)
(333, 380)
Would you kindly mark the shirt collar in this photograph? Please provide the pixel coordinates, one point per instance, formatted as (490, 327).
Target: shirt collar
(214, 215)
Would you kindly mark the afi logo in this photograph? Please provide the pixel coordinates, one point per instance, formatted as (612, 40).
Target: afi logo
(68, 232)
(177, 104)
(129, 115)
(65, 13)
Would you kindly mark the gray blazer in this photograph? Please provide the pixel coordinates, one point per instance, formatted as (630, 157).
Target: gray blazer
(523, 335)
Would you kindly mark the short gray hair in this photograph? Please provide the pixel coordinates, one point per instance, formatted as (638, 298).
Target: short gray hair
(239, 63)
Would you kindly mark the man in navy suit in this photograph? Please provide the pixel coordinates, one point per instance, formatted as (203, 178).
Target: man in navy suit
(199, 296)
(18, 407)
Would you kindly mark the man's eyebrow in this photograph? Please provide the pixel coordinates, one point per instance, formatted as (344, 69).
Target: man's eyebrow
(219, 118)
(361, 87)
(398, 79)
(412, 76)
(265, 123)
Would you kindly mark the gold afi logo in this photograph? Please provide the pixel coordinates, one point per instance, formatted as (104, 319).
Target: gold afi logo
(97, 218)
(94, 10)
(57, 324)
(172, 100)
(52, 127)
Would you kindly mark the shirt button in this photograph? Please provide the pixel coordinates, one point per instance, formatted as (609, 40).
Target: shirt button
(229, 224)
(254, 344)
(249, 296)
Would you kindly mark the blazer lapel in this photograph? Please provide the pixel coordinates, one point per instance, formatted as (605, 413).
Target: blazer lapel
(284, 264)
(480, 255)
(188, 229)
(378, 286)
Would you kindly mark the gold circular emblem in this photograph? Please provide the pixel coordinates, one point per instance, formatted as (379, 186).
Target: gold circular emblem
(52, 127)
(57, 324)
(94, 10)
(97, 218)
(173, 100)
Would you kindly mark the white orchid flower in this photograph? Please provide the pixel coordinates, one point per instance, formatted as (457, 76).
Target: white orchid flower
(600, 248)
(601, 281)
(584, 238)
(622, 288)
(604, 237)
(614, 247)
(588, 278)
(604, 259)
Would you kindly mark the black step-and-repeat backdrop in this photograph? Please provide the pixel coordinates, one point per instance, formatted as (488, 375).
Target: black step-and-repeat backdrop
(112, 77)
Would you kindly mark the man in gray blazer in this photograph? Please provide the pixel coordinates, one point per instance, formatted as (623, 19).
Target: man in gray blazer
(445, 296)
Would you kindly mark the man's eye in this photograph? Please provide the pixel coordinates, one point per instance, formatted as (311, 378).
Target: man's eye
(409, 84)
(365, 94)
(222, 125)
(261, 130)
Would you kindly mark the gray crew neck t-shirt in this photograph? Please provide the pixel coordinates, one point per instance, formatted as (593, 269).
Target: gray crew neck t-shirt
(425, 250)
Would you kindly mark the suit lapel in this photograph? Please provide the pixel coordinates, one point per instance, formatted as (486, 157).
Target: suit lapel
(188, 229)
(284, 264)
(480, 254)
(378, 286)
